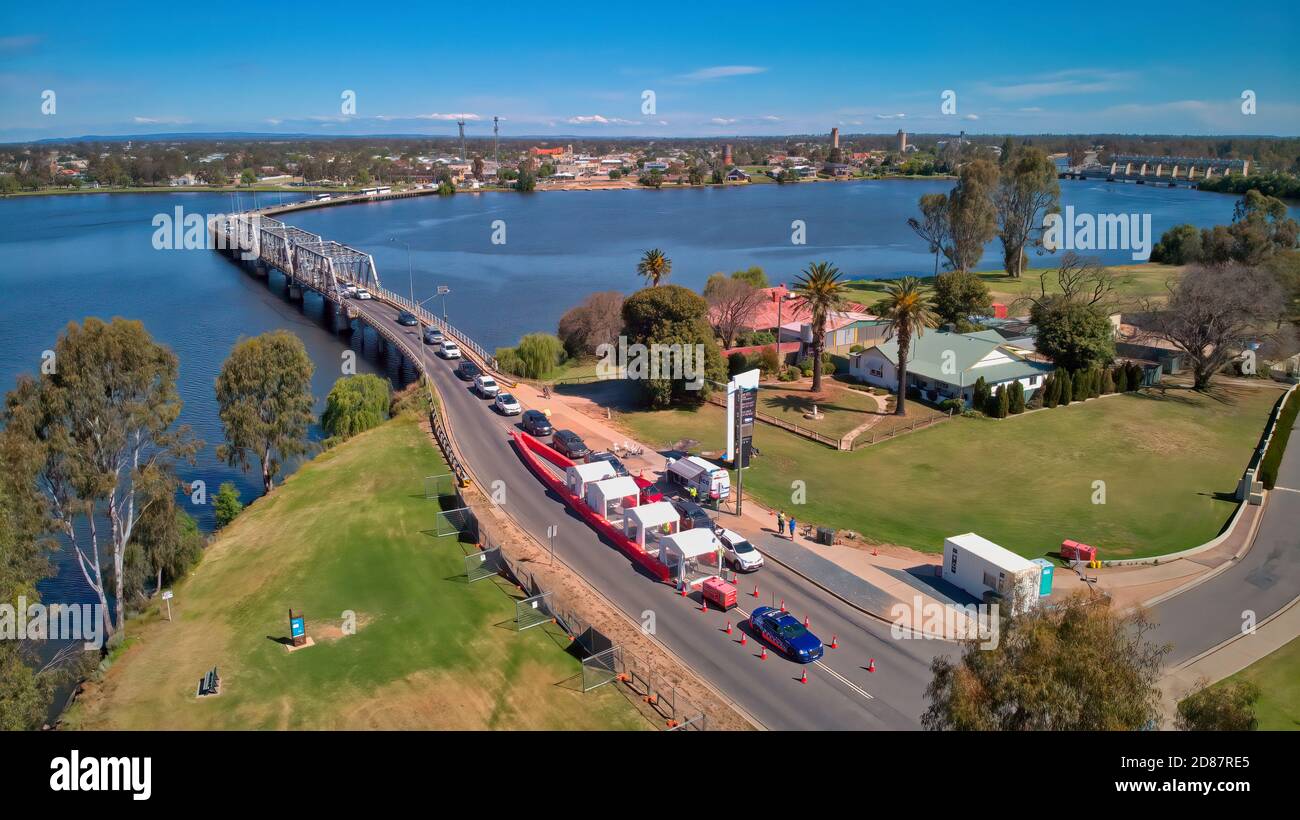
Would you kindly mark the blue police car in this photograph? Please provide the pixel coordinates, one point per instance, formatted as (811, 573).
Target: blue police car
(786, 634)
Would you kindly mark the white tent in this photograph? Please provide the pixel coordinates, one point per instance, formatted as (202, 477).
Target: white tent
(577, 477)
(606, 497)
(689, 550)
(652, 520)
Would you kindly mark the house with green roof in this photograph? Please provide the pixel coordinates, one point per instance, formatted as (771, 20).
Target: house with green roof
(944, 365)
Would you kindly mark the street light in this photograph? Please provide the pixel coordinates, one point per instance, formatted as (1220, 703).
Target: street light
(410, 277)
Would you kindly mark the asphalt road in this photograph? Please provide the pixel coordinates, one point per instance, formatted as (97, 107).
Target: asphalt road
(840, 692)
(1265, 579)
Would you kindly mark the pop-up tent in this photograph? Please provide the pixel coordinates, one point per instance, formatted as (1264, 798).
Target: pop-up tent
(643, 525)
(610, 496)
(692, 554)
(577, 477)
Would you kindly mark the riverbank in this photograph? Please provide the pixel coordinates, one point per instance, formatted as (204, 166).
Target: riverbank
(400, 639)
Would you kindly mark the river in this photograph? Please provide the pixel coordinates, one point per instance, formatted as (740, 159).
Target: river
(68, 257)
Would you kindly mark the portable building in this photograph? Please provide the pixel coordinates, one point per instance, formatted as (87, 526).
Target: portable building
(979, 566)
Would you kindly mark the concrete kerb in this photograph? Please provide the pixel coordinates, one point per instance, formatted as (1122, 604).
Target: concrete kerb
(1247, 543)
(1223, 644)
(498, 512)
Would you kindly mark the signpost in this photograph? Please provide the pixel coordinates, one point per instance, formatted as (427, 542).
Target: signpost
(742, 405)
(167, 596)
(297, 629)
(551, 532)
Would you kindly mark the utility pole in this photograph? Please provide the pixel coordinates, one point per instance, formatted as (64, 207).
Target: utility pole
(461, 124)
(496, 143)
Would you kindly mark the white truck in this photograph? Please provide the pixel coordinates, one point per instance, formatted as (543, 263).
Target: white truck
(709, 480)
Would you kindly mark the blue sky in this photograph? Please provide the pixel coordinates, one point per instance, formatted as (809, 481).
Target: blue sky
(715, 68)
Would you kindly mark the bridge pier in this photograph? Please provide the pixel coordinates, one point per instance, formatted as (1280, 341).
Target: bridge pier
(295, 292)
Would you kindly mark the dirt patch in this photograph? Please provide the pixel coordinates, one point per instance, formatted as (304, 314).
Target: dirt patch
(332, 630)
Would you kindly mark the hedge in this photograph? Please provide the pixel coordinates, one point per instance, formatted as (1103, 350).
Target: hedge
(1277, 446)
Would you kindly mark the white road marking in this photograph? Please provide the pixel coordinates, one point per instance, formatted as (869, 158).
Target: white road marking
(1288, 489)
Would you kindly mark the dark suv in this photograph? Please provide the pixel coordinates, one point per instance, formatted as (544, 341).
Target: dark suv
(569, 443)
(692, 514)
(536, 423)
(467, 370)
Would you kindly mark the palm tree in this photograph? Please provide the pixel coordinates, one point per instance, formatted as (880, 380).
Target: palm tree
(819, 289)
(654, 266)
(908, 310)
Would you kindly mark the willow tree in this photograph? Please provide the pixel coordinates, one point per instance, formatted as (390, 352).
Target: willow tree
(98, 437)
(265, 402)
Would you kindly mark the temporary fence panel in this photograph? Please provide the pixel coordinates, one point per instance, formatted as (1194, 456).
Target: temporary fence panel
(460, 520)
(600, 668)
(439, 487)
(482, 564)
(533, 611)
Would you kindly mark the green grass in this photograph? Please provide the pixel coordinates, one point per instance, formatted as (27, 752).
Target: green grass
(844, 409)
(350, 531)
(1278, 677)
(1133, 282)
(1025, 482)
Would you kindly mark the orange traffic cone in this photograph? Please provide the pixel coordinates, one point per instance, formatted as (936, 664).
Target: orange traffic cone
(728, 629)
(871, 665)
(805, 622)
(742, 637)
(755, 590)
(762, 654)
(704, 605)
(873, 551)
(783, 605)
(683, 590)
(803, 676)
(834, 643)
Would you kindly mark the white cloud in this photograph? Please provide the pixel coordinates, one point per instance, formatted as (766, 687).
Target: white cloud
(971, 117)
(718, 72)
(448, 117)
(723, 120)
(597, 119)
(159, 120)
(1059, 83)
(890, 116)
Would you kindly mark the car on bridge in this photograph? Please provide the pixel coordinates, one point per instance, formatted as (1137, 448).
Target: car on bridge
(486, 386)
(450, 350)
(507, 405)
(350, 292)
(536, 423)
(407, 319)
(786, 635)
(362, 294)
(467, 370)
(432, 336)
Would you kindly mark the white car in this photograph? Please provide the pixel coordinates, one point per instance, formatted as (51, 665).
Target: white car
(740, 553)
(450, 350)
(350, 291)
(507, 404)
(486, 386)
(362, 293)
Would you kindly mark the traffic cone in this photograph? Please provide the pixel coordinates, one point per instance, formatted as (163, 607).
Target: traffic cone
(742, 637)
(728, 629)
(704, 605)
(803, 676)
(874, 552)
(762, 654)
(755, 590)
(834, 643)
(805, 622)
(683, 590)
(871, 665)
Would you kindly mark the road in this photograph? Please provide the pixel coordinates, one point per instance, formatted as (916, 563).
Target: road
(840, 692)
(1265, 579)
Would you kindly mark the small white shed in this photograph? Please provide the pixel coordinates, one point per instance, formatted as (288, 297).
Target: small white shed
(577, 477)
(650, 522)
(978, 565)
(606, 497)
(691, 552)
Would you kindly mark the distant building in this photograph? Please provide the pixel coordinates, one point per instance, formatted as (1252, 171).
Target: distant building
(726, 155)
(835, 138)
(902, 141)
(737, 175)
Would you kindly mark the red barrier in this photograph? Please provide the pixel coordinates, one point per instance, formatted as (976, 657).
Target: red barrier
(527, 446)
(545, 451)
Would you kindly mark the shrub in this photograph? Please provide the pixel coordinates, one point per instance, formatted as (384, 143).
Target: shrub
(737, 363)
(952, 406)
(980, 394)
(768, 361)
(227, 506)
(1066, 394)
(355, 404)
(1107, 382)
(1016, 401)
(1051, 392)
(789, 374)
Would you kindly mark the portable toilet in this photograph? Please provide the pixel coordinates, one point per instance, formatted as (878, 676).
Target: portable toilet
(1045, 579)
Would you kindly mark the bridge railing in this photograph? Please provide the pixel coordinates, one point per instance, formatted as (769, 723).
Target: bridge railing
(446, 327)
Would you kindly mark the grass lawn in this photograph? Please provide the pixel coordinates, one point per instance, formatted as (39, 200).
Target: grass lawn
(1025, 483)
(1278, 678)
(844, 409)
(1132, 282)
(350, 531)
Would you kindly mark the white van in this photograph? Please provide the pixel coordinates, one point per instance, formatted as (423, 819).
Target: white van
(709, 480)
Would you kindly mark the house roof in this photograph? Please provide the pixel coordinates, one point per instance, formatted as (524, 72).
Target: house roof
(929, 353)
